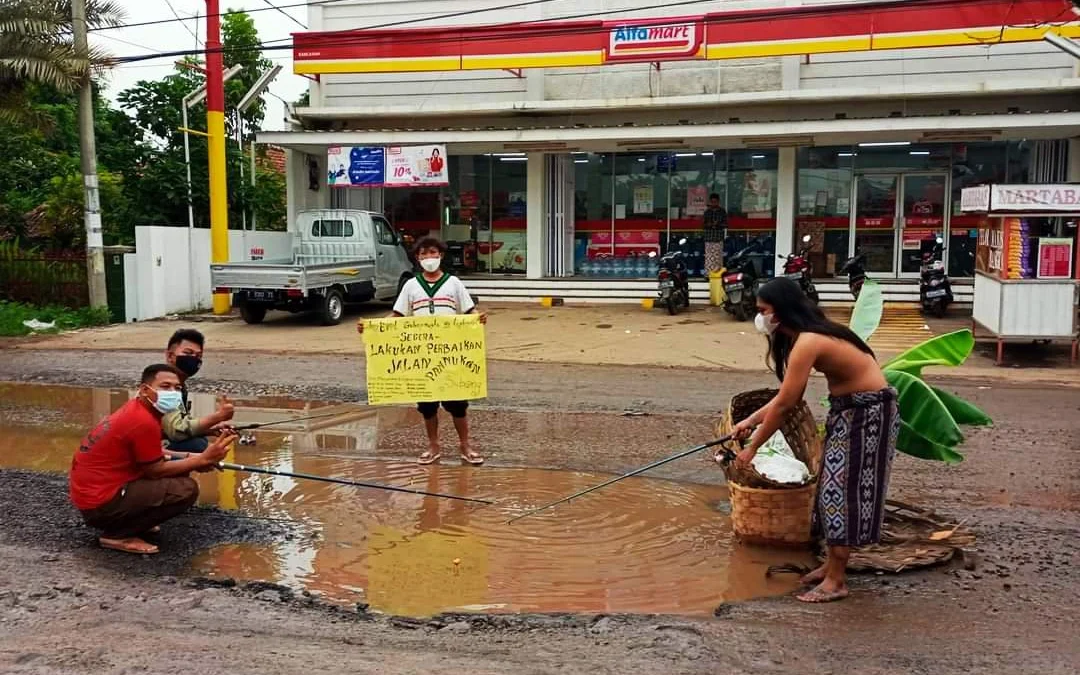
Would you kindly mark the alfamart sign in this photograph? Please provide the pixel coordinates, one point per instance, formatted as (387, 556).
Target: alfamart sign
(1021, 198)
(755, 33)
(652, 41)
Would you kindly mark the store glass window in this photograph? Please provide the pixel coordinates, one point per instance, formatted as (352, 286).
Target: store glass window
(973, 164)
(506, 252)
(593, 211)
(824, 206)
(751, 201)
(693, 181)
(415, 211)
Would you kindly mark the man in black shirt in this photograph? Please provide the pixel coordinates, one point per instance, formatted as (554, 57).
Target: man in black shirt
(714, 222)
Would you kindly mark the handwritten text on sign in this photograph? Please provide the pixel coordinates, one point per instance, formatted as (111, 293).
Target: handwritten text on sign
(425, 358)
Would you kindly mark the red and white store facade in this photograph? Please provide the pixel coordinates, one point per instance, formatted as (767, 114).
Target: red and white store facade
(576, 146)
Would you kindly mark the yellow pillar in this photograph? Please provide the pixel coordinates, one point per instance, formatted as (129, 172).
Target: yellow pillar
(219, 201)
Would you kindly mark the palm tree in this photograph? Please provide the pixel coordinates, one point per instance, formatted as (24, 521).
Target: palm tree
(36, 47)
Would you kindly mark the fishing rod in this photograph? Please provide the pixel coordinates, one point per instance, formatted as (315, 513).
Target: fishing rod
(726, 457)
(248, 427)
(343, 481)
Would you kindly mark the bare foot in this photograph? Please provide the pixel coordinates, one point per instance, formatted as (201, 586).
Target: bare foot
(824, 592)
(128, 545)
(813, 578)
(429, 456)
(470, 456)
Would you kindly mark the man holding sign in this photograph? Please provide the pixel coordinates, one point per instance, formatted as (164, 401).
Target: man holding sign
(431, 351)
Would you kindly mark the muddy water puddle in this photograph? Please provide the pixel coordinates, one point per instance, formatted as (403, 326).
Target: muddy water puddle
(644, 545)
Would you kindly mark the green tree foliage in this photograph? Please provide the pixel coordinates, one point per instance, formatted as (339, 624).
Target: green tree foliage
(140, 147)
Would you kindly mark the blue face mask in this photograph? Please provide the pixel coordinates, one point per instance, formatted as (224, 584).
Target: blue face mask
(168, 401)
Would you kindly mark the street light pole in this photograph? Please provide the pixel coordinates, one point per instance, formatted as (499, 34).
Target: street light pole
(95, 254)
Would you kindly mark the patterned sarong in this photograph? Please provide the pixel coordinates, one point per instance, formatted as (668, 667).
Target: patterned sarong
(860, 441)
(714, 256)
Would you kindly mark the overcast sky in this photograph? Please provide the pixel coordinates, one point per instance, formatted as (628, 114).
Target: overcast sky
(177, 35)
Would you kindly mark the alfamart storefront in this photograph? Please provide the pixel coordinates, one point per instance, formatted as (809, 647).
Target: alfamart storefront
(589, 189)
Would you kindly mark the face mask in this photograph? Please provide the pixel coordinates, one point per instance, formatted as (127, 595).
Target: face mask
(168, 401)
(188, 365)
(431, 264)
(765, 323)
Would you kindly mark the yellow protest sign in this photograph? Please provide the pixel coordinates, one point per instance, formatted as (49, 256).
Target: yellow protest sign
(425, 358)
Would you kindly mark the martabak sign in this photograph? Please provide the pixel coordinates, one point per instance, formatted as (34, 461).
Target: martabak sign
(650, 41)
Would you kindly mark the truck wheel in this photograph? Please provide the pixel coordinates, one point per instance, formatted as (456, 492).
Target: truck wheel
(333, 306)
(252, 312)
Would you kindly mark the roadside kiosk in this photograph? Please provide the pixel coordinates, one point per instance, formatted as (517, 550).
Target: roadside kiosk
(1026, 269)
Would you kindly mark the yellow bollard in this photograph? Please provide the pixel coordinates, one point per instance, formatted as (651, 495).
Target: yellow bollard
(647, 303)
(716, 287)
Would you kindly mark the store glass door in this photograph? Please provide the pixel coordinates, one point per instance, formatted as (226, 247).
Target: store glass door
(923, 219)
(874, 221)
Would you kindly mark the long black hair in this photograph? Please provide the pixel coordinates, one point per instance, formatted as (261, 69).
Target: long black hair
(794, 311)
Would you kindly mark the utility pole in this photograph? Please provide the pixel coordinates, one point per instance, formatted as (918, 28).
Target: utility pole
(95, 255)
(215, 126)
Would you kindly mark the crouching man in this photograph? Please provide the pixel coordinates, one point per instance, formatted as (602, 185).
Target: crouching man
(183, 431)
(120, 480)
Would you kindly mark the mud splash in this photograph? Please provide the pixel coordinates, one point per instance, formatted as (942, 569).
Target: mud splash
(646, 545)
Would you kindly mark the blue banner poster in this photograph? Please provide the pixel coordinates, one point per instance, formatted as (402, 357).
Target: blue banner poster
(356, 166)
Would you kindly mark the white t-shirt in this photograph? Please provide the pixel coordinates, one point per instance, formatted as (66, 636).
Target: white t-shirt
(445, 297)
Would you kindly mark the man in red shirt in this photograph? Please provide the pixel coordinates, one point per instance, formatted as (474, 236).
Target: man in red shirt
(120, 480)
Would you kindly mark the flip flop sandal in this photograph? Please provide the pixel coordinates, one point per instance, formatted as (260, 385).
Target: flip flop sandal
(428, 458)
(816, 597)
(150, 549)
(474, 458)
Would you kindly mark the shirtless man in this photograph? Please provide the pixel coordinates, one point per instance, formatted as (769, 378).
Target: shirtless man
(120, 480)
(860, 432)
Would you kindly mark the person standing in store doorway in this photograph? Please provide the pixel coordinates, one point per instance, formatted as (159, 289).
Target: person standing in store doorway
(714, 223)
(434, 292)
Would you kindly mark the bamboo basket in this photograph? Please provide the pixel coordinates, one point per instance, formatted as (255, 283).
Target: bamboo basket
(763, 511)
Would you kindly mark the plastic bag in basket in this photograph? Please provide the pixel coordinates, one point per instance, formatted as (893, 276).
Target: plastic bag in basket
(775, 460)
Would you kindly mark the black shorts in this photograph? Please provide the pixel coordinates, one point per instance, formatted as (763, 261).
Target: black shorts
(431, 409)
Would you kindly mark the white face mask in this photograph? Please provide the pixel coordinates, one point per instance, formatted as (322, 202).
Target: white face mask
(765, 323)
(431, 264)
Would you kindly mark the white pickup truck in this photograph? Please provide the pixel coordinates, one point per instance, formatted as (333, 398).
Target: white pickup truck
(338, 256)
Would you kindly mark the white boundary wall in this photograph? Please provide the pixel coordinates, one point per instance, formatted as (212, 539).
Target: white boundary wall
(162, 279)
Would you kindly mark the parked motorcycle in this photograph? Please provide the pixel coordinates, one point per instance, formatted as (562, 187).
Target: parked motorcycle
(741, 280)
(797, 268)
(935, 291)
(855, 269)
(673, 280)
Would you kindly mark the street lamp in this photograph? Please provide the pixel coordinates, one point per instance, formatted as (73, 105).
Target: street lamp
(246, 102)
(192, 99)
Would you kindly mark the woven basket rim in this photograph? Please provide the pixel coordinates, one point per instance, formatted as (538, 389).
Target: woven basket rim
(793, 489)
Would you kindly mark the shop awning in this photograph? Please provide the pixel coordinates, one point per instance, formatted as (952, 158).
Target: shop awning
(933, 129)
(780, 31)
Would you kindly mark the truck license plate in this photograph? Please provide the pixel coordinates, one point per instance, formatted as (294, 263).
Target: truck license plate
(260, 295)
(935, 294)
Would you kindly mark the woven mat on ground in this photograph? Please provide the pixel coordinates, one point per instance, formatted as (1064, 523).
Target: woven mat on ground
(912, 537)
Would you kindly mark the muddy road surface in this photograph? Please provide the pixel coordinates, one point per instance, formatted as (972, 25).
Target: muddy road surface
(67, 606)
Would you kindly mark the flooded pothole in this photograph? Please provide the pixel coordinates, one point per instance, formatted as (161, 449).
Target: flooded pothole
(646, 545)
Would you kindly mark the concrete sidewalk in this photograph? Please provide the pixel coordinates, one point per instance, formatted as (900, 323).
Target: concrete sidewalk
(624, 335)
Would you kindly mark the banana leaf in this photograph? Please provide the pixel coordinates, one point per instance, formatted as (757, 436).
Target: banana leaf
(921, 408)
(866, 317)
(962, 411)
(950, 349)
(915, 444)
